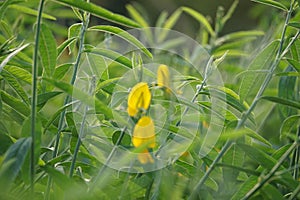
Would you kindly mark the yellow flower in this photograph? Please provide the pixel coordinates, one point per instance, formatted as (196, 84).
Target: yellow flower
(163, 77)
(144, 135)
(138, 98)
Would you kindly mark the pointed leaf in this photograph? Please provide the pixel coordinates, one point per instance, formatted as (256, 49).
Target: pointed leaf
(100, 12)
(14, 83)
(123, 34)
(200, 18)
(82, 96)
(30, 11)
(11, 55)
(272, 3)
(65, 45)
(47, 50)
(294, 104)
(15, 103)
(12, 163)
(19, 73)
(252, 80)
(114, 56)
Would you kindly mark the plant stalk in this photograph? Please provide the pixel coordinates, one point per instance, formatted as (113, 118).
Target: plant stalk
(61, 123)
(34, 96)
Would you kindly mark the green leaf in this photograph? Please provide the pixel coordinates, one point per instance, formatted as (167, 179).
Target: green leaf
(30, 11)
(73, 32)
(60, 179)
(136, 16)
(295, 64)
(230, 97)
(245, 188)
(272, 192)
(47, 50)
(122, 34)
(14, 83)
(235, 157)
(100, 12)
(239, 35)
(272, 3)
(65, 45)
(200, 18)
(15, 103)
(258, 156)
(114, 56)
(11, 55)
(26, 129)
(293, 104)
(82, 96)
(12, 163)
(289, 125)
(56, 114)
(126, 140)
(61, 70)
(5, 143)
(4, 6)
(43, 98)
(169, 23)
(19, 73)
(252, 80)
(294, 24)
(286, 90)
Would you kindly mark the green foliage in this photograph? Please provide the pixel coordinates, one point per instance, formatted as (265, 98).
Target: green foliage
(64, 113)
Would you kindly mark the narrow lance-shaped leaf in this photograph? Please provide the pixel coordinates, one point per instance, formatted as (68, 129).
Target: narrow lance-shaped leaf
(14, 83)
(252, 80)
(291, 103)
(13, 162)
(11, 55)
(123, 34)
(47, 50)
(64, 45)
(100, 12)
(15, 103)
(169, 23)
(272, 3)
(286, 90)
(200, 18)
(30, 11)
(82, 96)
(114, 56)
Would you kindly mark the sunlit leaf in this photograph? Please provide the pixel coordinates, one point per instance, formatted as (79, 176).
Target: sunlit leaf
(123, 34)
(272, 3)
(200, 18)
(47, 50)
(100, 12)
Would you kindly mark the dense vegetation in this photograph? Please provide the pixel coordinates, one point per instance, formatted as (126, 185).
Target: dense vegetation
(131, 109)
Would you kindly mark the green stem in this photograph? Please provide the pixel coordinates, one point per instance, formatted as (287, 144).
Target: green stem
(228, 144)
(108, 159)
(61, 124)
(266, 178)
(34, 96)
(81, 132)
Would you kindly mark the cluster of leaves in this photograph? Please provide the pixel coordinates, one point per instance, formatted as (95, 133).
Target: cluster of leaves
(41, 154)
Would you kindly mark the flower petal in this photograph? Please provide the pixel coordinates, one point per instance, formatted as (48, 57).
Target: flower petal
(138, 98)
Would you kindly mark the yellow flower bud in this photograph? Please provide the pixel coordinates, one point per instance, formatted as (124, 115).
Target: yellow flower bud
(144, 135)
(138, 98)
(163, 77)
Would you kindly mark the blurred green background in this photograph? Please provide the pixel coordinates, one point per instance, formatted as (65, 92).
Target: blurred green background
(245, 17)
